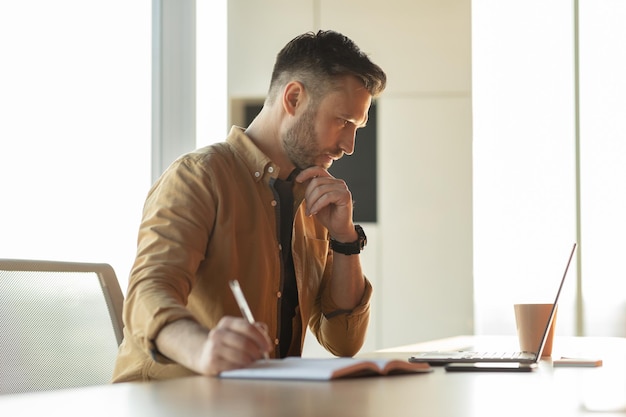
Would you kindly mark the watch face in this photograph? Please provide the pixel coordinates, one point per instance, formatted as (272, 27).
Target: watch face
(362, 237)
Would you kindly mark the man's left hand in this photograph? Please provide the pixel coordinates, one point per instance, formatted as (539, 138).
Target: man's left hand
(329, 199)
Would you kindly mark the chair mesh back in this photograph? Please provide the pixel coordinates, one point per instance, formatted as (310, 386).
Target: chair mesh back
(55, 331)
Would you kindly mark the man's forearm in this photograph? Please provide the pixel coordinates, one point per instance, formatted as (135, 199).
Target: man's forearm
(187, 352)
(348, 282)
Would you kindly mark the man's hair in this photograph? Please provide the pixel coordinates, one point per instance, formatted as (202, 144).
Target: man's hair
(317, 60)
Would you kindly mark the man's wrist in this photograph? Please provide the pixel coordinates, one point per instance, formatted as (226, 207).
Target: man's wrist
(351, 247)
(346, 238)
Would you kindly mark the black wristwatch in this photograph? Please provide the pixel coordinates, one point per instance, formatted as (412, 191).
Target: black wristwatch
(350, 248)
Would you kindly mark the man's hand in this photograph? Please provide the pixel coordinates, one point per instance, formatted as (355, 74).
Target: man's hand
(329, 199)
(233, 343)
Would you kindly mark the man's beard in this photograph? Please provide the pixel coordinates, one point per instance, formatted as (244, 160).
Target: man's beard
(300, 142)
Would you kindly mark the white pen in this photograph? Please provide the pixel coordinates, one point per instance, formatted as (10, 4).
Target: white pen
(242, 303)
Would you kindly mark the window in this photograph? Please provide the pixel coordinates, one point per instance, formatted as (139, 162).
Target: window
(75, 131)
(527, 145)
(603, 165)
(211, 74)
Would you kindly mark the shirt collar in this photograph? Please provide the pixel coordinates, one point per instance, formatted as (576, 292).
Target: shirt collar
(259, 165)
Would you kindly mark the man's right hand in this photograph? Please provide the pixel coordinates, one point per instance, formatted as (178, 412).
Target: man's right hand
(233, 343)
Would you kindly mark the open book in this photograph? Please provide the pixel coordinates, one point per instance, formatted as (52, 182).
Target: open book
(315, 369)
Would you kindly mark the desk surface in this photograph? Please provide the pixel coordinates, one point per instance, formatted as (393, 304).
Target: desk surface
(546, 391)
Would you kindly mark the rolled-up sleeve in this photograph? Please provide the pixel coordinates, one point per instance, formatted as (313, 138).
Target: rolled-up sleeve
(343, 332)
(171, 244)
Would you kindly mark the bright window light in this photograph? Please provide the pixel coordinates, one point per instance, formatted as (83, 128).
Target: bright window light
(524, 158)
(211, 72)
(75, 131)
(525, 172)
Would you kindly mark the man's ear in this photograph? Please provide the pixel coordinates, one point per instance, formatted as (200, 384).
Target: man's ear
(293, 97)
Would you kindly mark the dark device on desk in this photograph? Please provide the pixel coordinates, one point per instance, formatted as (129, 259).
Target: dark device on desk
(468, 357)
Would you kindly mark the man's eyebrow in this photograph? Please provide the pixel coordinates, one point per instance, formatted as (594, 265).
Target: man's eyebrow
(354, 121)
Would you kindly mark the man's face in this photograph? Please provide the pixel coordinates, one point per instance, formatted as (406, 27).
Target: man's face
(300, 141)
(324, 133)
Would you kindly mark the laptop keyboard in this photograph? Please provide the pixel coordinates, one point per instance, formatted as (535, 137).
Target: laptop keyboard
(469, 356)
(494, 355)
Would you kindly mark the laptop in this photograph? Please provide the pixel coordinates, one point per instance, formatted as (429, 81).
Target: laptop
(445, 357)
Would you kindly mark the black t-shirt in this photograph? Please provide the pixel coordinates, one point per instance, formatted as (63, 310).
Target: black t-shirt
(289, 297)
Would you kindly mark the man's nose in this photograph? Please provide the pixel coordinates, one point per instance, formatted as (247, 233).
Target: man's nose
(347, 142)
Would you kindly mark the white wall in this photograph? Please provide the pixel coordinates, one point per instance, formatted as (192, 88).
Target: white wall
(419, 256)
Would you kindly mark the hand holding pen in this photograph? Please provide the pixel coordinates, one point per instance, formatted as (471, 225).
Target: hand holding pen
(233, 343)
(243, 304)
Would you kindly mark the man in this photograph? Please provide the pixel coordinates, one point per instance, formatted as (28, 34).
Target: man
(261, 208)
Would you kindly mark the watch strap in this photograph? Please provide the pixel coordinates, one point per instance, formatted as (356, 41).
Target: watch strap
(350, 248)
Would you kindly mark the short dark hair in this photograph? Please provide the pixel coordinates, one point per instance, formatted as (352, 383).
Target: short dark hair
(318, 59)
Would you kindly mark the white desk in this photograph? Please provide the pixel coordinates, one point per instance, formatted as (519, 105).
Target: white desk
(545, 392)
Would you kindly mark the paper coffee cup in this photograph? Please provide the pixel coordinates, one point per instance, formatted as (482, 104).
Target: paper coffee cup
(531, 320)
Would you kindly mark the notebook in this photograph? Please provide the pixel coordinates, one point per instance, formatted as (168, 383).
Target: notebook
(442, 357)
(324, 369)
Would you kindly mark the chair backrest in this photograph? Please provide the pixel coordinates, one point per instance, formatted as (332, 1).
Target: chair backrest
(60, 324)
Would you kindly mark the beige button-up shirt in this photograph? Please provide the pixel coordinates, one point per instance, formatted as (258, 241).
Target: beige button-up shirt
(210, 218)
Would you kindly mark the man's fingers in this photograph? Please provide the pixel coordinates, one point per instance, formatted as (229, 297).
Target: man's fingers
(323, 192)
(312, 172)
(262, 327)
(236, 333)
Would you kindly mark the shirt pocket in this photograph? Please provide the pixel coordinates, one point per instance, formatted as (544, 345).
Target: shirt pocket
(314, 260)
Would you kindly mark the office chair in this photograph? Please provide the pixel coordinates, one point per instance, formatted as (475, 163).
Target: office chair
(60, 324)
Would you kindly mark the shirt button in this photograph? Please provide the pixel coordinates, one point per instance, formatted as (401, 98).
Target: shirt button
(280, 247)
(273, 203)
(276, 342)
(279, 294)
(257, 174)
(270, 169)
